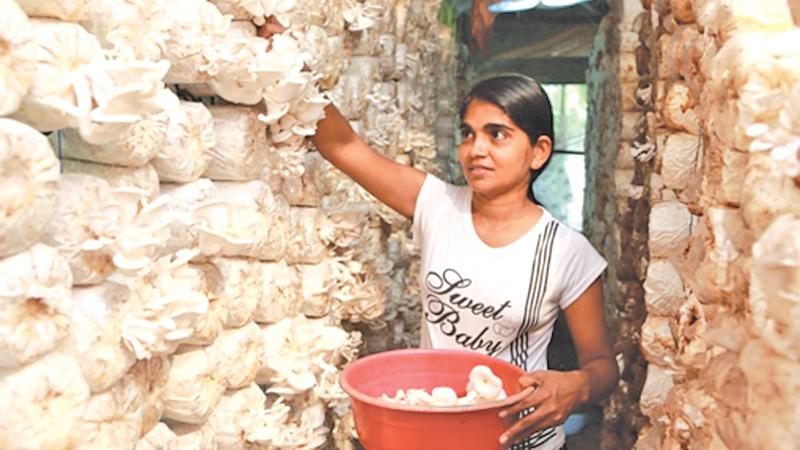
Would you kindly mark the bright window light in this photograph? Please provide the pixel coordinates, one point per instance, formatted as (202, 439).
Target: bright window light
(507, 6)
(561, 3)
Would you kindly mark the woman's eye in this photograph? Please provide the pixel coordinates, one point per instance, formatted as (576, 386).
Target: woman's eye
(465, 134)
(499, 135)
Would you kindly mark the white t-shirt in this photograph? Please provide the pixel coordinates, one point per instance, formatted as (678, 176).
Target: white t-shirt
(499, 301)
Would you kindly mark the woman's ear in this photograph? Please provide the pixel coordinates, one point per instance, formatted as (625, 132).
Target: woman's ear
(541, 152)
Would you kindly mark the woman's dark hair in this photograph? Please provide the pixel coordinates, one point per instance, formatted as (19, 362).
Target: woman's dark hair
(524, 101)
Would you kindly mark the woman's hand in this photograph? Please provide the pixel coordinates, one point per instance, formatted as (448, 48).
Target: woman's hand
(555, 396)
(271, 27)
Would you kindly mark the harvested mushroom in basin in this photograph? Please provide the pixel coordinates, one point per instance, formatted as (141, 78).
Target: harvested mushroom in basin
(483, 387)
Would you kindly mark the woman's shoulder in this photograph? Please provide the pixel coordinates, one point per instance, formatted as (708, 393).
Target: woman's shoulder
(568, 238)
(437, 189)
(438, 202)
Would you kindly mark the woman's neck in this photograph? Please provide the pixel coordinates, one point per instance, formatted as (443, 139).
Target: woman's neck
(509, 207)
(500, 221)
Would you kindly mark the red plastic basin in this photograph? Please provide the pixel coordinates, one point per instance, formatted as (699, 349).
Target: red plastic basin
(383, 425)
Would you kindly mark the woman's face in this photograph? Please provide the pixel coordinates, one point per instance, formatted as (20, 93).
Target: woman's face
(495, 154)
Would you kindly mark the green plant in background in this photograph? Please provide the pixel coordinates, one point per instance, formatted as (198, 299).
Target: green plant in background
(448, 15)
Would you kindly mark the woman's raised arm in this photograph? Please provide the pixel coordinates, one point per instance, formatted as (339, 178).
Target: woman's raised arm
(394, 184)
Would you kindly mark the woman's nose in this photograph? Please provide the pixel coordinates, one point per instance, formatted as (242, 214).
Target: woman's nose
(479, 147)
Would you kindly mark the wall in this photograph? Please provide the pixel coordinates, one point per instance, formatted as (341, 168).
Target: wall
(722, 280)
(706, 221)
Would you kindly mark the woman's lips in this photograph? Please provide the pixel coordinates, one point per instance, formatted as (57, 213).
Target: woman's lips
(479, 171)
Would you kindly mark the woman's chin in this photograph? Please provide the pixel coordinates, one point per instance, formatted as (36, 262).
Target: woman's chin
(482, 188)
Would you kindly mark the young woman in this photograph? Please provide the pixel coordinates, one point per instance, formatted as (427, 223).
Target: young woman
(496, 266)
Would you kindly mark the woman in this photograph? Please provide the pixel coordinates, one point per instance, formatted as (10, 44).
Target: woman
(496, 266)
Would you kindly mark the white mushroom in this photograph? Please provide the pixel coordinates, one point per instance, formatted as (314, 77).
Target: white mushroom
(361, 16)
(209, 325)
(193, 39)
(344, 431)
(18, 59)
(193, 389)
(670, 227)
(255, 10)
(663, 288)
(767, 193)
(131, 229)
(295, 352)
(328, 55)
(308, 432)
(728, 18)
(143, 178)
(190, 436)
(96, 335)
(304, 244)
(134, 148)
(774, 280)
(345, 229)
(240, 353)
(293, 102)
(123, 93)
(680, 159)
(151, 377)
(129, 29)
(241, 147)
(241, 73)
(60, 94)
(241, 420)
(36, 298)
(483, 386)
(182, 199)
(316, 286)
(225, 227)
(260, 427)
(48, 398)
(30, 178)
(679, 112)
(186, 150)
(658, 342)
(329, 390)
(80, 198)
(273, 222)
(112, 418)
(168, 302)
(357, 292)
(443, 396)
(69, 10)
(159, 438)
(286, 166)
(657, 384)
(240, 288)
(487, 385)
(280, 297)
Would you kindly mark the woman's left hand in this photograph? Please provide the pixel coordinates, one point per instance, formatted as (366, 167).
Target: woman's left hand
(555, 396)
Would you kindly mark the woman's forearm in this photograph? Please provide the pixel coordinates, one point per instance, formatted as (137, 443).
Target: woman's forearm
(599, 379)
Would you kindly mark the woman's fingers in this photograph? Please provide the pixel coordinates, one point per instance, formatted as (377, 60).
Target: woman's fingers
(533, 400)
(525, 426)
(270, 28)
(533, 378)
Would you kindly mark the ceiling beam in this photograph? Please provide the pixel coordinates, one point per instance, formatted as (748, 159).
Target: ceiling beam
(544, 70)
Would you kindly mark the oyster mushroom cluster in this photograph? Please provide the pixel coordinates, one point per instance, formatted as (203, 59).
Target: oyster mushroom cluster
(179, 264)
(715, 115)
